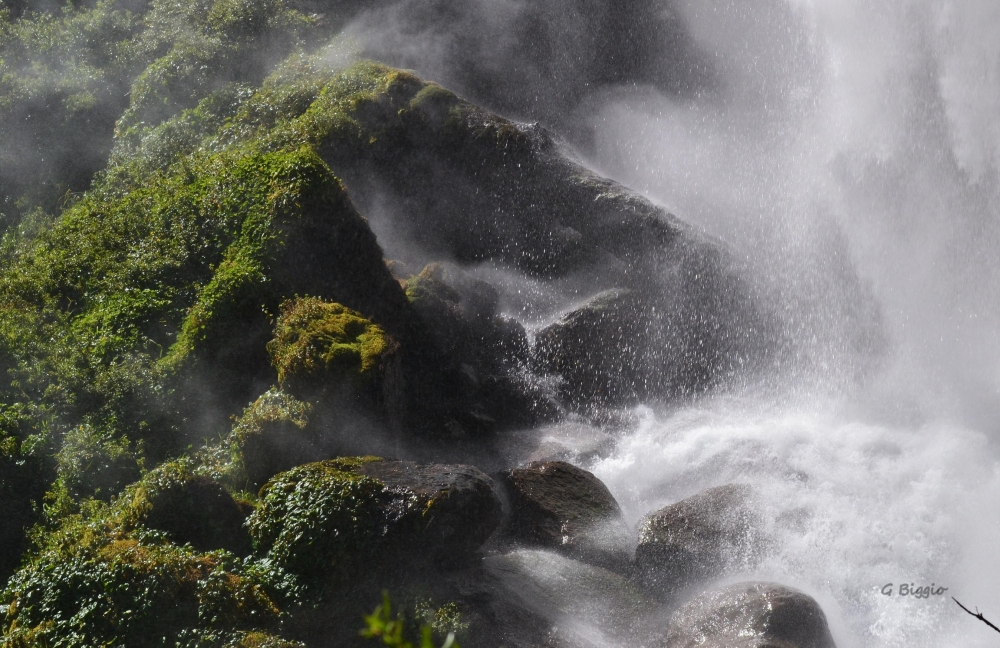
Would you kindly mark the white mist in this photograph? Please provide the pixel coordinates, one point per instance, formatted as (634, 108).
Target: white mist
(850, 151)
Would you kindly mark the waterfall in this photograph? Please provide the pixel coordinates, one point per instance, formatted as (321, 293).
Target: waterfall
(850, 151)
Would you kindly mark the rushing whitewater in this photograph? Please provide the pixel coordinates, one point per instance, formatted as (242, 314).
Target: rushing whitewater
(847, 149)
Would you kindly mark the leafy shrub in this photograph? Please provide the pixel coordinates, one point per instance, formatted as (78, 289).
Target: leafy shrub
(93, 463)
(94, 585)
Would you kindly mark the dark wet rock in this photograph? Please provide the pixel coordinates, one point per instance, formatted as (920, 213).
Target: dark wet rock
(459, 508)
(347, 520)
(541, 598)
(191, 509)
(470, 375)
(702, 537)
(599, 350)
(557, 505)
(440, 178)
(750, 615)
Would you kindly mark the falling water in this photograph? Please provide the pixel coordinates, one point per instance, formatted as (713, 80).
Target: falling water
(850, 151)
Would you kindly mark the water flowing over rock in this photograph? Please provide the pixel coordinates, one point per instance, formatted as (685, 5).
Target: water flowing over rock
(557, 505)
(699, 538)
(750, 615)
(565, 602)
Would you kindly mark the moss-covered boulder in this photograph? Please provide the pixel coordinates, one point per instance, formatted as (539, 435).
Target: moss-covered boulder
(341, 520)
(299, 235)
(272, 435)
(191, 509)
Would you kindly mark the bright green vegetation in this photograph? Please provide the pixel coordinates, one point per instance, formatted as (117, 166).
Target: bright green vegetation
(317, 341)
(191, 252)
(103, 577)
(321, 521)
(392, 631)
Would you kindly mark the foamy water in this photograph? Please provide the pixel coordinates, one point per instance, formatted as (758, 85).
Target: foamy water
(850, 152)
(851, 507)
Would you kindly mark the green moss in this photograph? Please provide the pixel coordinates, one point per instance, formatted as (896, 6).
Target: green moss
(322, 521)
(262, 640)
(188, 507)
(270, 436)
(317, 341)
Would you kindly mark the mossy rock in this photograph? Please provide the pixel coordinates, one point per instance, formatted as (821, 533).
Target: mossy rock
(191, 509)
(301, 236)
(326, 347)
(344, 519)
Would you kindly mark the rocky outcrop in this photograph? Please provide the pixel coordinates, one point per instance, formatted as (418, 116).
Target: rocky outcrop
(457, 182)
(336, 521)
(702, 537)
(458, 507)
(559, 506)
(750, 615)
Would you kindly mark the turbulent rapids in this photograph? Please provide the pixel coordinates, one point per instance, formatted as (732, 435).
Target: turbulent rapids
(656, 323)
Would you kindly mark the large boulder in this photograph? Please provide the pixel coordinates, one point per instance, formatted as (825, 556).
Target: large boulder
(559, 506)
(599, 349)
(705, 536)
(337, 521)
(458, 506)
(750, 615)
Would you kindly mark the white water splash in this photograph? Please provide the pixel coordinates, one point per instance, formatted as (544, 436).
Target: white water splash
(848, 144)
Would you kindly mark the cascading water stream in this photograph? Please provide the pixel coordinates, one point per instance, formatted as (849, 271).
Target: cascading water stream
(850, 151)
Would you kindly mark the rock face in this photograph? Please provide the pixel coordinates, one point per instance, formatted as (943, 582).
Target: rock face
(750, 615)
(599, 349)
(699, 538)
(457, 182)
(339, 520)
(459, 508)
(557, 505)
(470, 373)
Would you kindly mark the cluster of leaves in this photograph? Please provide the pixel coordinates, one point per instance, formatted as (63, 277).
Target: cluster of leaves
(97, 580)
(393, 630)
